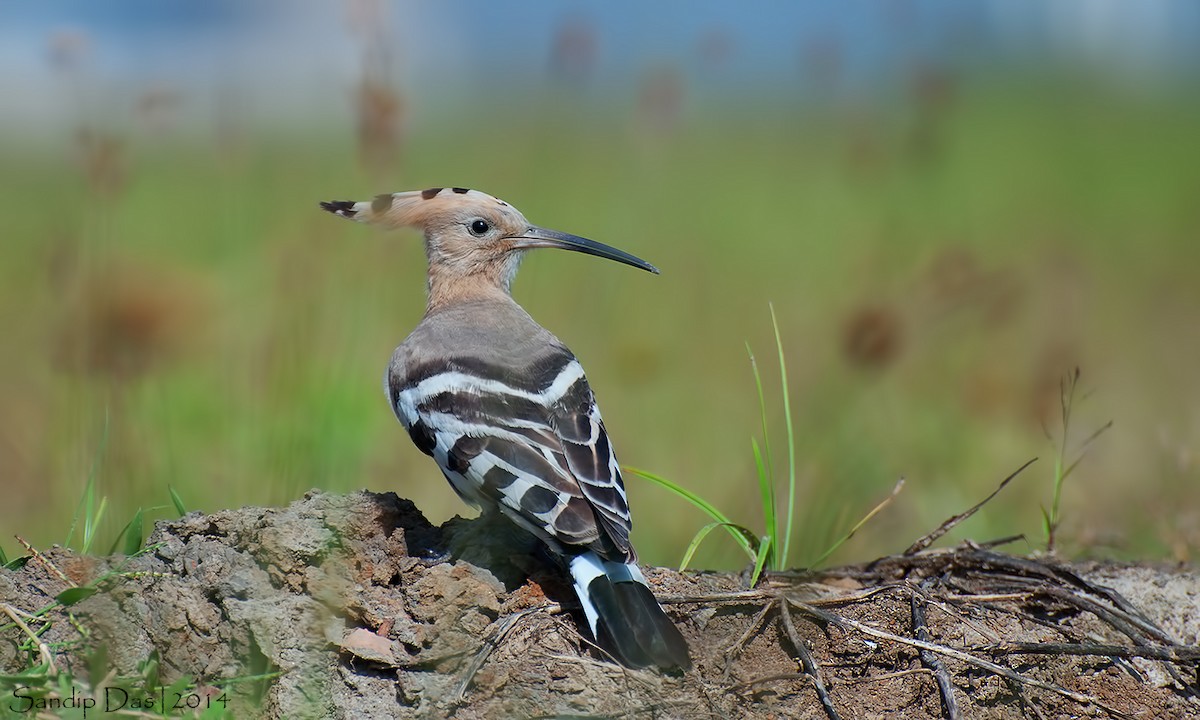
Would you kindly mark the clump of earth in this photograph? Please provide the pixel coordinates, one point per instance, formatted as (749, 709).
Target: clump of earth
(355, 606)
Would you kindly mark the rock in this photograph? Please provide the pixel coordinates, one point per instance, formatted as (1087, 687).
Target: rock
(366, 645)
(342, 601)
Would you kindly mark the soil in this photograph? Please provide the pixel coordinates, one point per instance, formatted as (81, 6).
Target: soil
(354, 606)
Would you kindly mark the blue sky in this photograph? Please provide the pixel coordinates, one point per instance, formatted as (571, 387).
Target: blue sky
(289, 54)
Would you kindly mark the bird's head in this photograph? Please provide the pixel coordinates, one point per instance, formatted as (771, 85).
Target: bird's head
(470, 235)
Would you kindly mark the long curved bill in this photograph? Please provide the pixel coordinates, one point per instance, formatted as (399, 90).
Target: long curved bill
(537, 237)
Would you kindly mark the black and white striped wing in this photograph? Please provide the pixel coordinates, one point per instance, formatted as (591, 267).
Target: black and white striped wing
(531, 443)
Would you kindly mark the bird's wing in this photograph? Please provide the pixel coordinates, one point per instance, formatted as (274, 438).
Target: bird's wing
(530, 442)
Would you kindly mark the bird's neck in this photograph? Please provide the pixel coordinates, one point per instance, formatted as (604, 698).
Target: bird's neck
(447, 289)
(464, 279)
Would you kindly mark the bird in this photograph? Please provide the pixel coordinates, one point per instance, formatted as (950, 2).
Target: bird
(504, 408)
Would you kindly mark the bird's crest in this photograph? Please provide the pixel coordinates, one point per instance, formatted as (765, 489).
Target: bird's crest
(416, 208)
(474, 242)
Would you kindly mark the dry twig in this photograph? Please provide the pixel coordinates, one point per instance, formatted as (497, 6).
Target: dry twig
(949, 523)
(808, 662)
(932, 661)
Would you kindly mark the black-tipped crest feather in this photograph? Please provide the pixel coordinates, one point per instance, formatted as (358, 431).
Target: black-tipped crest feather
(344, 208)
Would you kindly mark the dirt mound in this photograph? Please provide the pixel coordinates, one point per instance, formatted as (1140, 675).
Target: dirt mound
(346, 606)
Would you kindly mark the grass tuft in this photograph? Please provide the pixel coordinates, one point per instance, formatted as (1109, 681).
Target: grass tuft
(769, 550)
(86, 507)
(1052, 518)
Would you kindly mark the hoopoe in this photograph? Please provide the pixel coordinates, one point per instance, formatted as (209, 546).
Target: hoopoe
(505, 410)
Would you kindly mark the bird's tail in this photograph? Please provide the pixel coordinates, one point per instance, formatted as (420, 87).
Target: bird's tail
(624, 616)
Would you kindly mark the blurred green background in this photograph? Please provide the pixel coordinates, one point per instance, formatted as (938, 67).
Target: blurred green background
(950, 208)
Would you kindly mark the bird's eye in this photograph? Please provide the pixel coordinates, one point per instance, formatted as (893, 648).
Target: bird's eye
(479, 227)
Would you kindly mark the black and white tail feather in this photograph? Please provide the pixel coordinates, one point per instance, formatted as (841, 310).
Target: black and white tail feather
(624, 615)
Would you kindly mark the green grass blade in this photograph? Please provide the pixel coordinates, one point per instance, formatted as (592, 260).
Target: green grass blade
(177, 501)
(766, 490)
(91, 525)
(17, 563)
(70, 596)
(86, 503)
(704, 505)
(764, 551)
(82, 509)
(149, 669)
(703, 533)
(764, 462)
(89, 506)
(3, 558)
(791, 445)
(866, 518)
(681, 491)
(132, 534)
(97, 664)
(38, 672)
(695, 544)
(1051, 520)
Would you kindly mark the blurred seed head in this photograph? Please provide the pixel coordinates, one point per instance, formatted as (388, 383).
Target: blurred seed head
(157, 108)
(67, 50)
(933, 88)
(956, 281)
(953, 275)
(660, 100)
(715, 48)
(379, 108)
(872, 337)
(573, 52)
(933, 94)
(131, 321)
(102, 159)
(866, 154)
(1056, 362)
